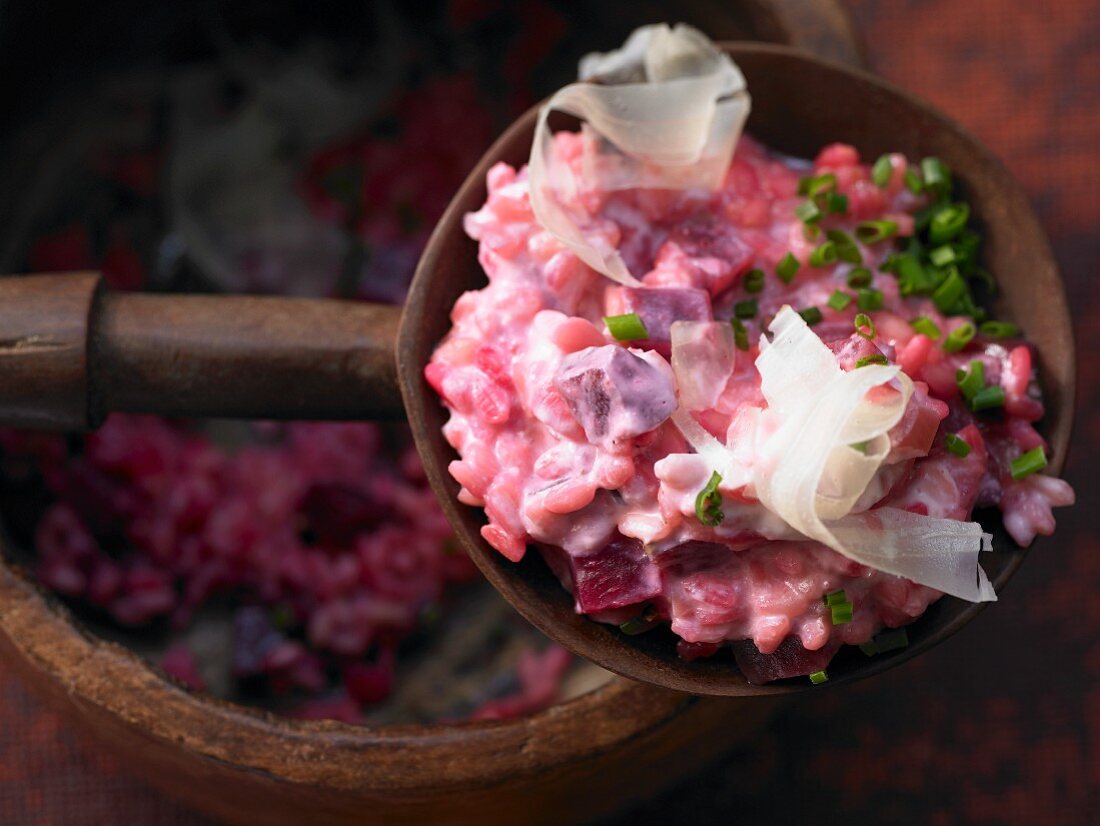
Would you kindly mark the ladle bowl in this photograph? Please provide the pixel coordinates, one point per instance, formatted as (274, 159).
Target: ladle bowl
(72, 353)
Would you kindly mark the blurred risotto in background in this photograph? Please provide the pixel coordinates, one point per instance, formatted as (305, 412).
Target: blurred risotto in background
(304, 567)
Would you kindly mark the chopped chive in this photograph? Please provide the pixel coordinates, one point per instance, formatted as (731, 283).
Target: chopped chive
(937, 177)
(864, 326)
(842, 614)
(959, 337)
(877, 358)
(754, 281)
(869, 299)
(811, 315)
(859, 277)
(819, 677)
(942, 256)
(913, 182)
(811, 232)
(787, 267)
(947, 222)
(860, 447)
(971, 380)
(956, 445)
(836, 597)
(708, 503)
(881, 171)
(871, 232)
(645, 621)
(836, 203)
(948, 294)
(740, 334)
(999, 329)
(913, 278)
(808, 212)
(889, 640)
(745, 309)
(824, 255)
(846, 249)
(1027, 463)
(839, 300)
(816, 185)
(628, 327)
(987, 398)
(925, 326)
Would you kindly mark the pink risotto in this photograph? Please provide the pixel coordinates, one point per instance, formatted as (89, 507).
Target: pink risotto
(562, 394)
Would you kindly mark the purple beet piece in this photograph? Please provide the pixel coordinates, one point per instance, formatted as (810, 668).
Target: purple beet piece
(254, 636)
(617, 575)
(658, 307)
(693, 556)
(613, 393)
(790, 659)
(709, 247)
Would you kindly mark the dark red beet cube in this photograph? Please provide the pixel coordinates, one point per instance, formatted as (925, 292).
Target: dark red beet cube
(790, 659)
(617, 575)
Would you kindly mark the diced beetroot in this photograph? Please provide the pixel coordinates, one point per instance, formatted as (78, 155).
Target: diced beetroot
(709, 250)
(690, 651)
(613, 393)
(912, 437)
(694, 556)
(851, 349)
(790, 659)
(944, 485)
(658, 307)
(620, 574)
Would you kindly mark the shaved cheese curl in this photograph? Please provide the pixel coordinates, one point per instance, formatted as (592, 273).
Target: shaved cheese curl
(666, 114)
(830, 439)
(703, 357)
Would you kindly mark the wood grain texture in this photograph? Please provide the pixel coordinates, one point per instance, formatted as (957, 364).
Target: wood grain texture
(44, 365)
(246, 357)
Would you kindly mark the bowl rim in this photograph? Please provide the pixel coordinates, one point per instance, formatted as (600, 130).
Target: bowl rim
(58, 655)
(653, 669)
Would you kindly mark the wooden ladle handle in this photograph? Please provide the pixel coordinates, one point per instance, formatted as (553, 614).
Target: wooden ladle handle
(71, 352)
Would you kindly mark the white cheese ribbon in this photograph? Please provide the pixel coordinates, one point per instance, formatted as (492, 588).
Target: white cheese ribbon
(665, 112)
(810, 472)
(820, 442)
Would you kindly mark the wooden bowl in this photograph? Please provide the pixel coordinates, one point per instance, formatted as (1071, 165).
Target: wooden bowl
(800, 104)
(585, 758)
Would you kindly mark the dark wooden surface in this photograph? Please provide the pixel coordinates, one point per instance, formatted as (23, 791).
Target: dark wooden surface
(999, 725)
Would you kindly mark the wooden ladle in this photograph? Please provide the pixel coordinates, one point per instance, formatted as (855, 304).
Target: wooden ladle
(71, 352)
